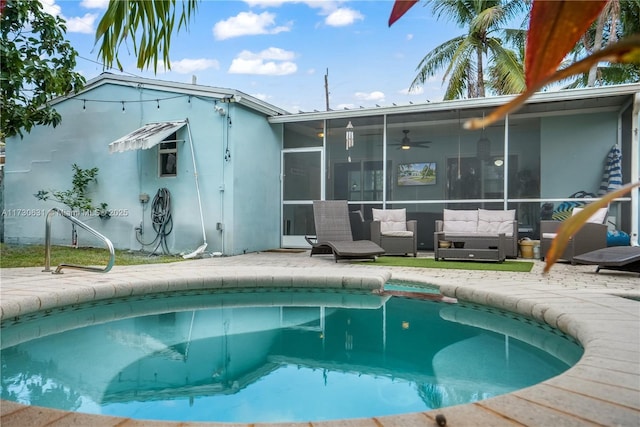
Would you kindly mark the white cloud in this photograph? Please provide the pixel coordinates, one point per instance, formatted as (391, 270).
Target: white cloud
(415, 91)
(335, 15)
(343, 17)
(187, 66)
(94, 4)
(325, 5)
(76, 24)
(266, 3)
(272, 61)
(248, 23)
(370, 96)
(409, 37)
(82, 24)
(51, 7)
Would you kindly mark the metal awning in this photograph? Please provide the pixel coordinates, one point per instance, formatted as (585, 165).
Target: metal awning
(146, 137)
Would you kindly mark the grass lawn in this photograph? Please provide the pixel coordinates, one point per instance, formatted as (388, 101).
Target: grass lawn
(33, 256)
(508, 265)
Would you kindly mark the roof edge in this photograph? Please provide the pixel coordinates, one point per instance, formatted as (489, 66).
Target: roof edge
(238, 97)
(464, 104)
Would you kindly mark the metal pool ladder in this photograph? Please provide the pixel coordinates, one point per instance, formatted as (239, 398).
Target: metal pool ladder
(47, 245)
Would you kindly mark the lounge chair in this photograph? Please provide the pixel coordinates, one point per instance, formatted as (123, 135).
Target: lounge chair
(333, 233)
(622, 258)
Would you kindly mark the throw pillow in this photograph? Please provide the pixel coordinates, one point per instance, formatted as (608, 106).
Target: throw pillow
(496, 221)
(390, 219)
(596, 218)
(460, 221)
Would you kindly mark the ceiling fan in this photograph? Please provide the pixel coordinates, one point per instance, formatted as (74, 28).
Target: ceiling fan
(406, 143)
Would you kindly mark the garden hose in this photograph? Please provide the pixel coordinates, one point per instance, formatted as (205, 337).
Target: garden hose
(161, 220)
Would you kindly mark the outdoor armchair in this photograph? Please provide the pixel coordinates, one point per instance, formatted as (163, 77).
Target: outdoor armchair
(592, 236)
(391, 230)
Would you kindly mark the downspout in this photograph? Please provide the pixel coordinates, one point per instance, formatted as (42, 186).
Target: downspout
(635, 168)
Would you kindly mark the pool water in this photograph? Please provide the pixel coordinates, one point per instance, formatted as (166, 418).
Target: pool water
(273, 356)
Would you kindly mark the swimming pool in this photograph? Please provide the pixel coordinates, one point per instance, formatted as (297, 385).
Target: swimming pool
(273, 355)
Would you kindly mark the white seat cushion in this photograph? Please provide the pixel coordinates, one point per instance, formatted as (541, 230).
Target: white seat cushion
(460, 221)
(596, 218)
(398, 233)
(391, 220)
(494, 221)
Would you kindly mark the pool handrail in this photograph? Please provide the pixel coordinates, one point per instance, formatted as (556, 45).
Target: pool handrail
(47, 245)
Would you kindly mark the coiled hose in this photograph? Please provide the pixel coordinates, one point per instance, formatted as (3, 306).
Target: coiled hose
(161, 220)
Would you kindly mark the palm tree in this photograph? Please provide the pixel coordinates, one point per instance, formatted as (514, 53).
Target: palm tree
(464, 57)
(618, 19)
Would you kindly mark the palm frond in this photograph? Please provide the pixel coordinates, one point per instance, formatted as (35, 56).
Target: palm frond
(435, 60)
(506, 71)
(459, 80)
(148, 24)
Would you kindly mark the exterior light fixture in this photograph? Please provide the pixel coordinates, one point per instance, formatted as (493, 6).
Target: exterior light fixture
(405, 147)
(498, 162)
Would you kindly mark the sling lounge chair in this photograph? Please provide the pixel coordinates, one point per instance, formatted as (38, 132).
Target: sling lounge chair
(622, 258)
(333, 233)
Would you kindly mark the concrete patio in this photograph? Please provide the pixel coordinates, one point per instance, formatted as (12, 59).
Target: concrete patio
(601, 310)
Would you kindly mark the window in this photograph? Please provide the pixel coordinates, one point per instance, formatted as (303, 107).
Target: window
(168, 156)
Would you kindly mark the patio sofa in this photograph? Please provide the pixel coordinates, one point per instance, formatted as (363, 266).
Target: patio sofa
(478, 227)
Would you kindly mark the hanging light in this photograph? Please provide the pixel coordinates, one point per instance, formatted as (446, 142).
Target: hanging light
(406, 142)
(349, 135)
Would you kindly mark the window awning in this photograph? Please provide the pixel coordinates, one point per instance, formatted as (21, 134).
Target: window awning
(148, 136)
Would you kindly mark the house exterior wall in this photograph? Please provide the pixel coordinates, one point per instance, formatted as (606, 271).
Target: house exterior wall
(95, 118)
(255, 185)
(560, 141)
(578, 143)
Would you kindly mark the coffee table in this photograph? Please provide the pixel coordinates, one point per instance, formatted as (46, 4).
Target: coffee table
(489, 248)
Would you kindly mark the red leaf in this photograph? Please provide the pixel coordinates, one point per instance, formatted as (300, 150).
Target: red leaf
(554, 29)
(400, 7)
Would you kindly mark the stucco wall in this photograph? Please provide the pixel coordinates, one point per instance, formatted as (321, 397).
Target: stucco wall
(255, 162)
(573, 152)
(43, 159)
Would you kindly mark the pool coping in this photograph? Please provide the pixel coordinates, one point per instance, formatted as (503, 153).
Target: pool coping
(603, 388)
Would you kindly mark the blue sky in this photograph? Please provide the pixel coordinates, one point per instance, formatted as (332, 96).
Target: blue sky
(280, 50)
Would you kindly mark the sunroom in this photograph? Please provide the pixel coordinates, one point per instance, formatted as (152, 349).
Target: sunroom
(420, 157)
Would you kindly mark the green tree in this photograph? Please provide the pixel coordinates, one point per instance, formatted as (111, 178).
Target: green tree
(77, 198)
(464, 57)
(37, 64)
